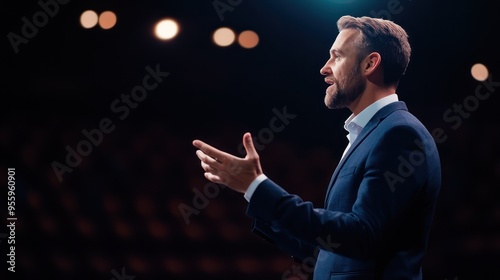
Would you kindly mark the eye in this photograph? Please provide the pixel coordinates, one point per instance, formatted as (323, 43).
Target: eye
(336, 56)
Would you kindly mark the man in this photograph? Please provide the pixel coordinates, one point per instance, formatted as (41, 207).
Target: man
(380, 201)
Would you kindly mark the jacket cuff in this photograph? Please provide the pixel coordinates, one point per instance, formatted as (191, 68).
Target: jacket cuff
(264, 200)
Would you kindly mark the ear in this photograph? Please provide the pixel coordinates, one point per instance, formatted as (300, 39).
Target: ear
(371, 63)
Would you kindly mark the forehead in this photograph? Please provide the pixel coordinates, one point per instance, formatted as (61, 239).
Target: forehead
(345, 40)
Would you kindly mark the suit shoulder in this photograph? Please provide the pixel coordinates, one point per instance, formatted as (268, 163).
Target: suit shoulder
(402, 123)
(402, 119)
(394, 124)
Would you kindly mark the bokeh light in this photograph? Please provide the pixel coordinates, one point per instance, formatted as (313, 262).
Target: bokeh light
(479, 72)
(89, 19)
(224, 36)
(248, 39)
(166, 29)
(107, 20)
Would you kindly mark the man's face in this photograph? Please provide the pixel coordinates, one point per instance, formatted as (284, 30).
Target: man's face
(342, 71)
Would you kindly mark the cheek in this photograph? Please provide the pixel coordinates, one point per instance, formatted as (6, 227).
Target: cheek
(338, 70)
(338, 74)
(342, 71)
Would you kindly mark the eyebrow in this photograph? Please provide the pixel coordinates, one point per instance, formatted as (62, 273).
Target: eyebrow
(333, 51)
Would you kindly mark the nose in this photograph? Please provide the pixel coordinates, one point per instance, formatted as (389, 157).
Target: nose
(325, 70)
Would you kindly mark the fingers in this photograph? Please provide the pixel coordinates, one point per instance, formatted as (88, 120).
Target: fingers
(249, 147)
(210, 151)
(208, 159)
(214, 162)
(214, 178)
(209, 165)
(198, 143)
(235, 172)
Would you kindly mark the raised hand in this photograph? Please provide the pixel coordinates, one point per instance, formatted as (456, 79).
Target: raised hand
(235, 172)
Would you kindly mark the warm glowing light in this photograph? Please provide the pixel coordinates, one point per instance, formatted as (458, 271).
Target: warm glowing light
(107, 20)
(89, 19)
(224, 36)
(166, 29)
(479, 72)
(248, 39)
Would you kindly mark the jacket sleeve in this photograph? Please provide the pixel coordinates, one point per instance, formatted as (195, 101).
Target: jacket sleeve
(298, 250)
(385, 194)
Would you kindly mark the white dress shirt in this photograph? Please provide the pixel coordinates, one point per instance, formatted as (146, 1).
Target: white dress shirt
(354, 124)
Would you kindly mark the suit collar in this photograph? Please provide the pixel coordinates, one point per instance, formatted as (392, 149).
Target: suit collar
(366, 114)
(370, 126)
(373, 123)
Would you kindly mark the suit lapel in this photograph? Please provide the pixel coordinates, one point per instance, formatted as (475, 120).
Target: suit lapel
(370, 126)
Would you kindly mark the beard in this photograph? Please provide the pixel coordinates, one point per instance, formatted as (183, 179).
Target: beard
(343, 92)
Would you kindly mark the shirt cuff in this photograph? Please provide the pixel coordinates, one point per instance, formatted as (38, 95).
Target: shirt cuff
(253, 186)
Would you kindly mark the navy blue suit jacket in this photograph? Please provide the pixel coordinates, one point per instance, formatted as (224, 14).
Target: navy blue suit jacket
(378, 207)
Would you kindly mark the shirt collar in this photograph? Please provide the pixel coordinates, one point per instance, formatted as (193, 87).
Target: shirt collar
(355, 123)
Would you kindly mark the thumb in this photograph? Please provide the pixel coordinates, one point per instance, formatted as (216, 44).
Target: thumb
(249, 147)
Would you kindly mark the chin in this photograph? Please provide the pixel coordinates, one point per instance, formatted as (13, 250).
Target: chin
(330, 101)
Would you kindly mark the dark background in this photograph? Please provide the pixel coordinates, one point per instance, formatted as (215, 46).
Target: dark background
(119, 207)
